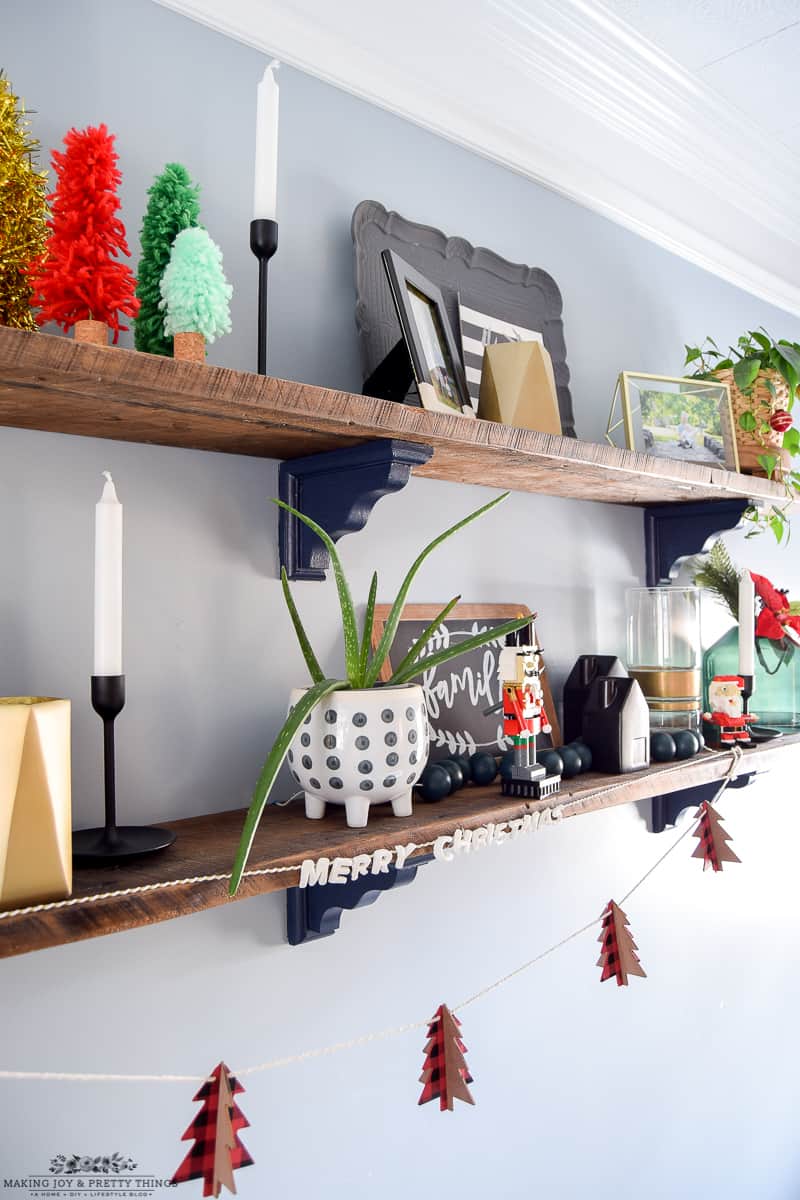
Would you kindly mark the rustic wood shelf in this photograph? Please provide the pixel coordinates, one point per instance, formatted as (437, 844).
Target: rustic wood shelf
(52, 383)
(206, 846)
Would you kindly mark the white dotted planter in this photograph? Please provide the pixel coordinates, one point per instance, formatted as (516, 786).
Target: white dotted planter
(361, 748)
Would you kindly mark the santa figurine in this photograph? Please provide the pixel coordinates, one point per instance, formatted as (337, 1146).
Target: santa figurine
(524, 717)
(728, 723)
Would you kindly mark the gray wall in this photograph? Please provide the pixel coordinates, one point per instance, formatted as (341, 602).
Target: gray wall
(680, 1085)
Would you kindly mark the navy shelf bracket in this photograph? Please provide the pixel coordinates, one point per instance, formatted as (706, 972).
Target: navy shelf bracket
(667, 809)
(338, 490)
(315, 912)
(673, 532)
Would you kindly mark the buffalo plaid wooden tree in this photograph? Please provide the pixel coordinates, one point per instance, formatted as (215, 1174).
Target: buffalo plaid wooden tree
(713, 849)
(618, 956)
(217, 1151)
(445, 1073)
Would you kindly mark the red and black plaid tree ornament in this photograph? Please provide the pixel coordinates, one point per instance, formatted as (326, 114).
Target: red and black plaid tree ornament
(618, 956)
(713, 849)
(217, 1151)
(445, 1073)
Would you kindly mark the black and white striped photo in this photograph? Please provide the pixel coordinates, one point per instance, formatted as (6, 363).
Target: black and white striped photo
(478, 330)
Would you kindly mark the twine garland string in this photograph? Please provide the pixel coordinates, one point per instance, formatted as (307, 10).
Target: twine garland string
(363, 1039)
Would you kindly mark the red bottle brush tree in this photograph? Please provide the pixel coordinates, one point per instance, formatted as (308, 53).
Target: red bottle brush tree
(217, 1151)
(445, 1073)
(79, 277)
(618, 956)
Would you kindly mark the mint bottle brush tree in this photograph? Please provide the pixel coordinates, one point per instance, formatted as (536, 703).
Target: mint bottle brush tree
(195, 295)
(351, 740)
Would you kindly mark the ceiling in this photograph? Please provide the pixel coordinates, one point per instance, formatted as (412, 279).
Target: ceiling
(679, 119)
(746, 50)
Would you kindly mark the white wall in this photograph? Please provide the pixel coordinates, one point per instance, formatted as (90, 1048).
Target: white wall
(682, 1085)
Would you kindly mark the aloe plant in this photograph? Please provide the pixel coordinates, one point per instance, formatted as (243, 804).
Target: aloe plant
(362, 667)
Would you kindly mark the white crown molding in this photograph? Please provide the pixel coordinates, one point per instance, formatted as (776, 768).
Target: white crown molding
(564, 93)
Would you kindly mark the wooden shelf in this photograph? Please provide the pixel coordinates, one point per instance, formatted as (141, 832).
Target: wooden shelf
(206, 846)
(52, 383)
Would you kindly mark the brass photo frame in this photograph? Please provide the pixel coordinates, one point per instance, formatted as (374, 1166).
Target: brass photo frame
(690, 420)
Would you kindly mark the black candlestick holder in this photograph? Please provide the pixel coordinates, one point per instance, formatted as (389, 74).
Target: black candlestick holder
(92, 847)
(263, 243)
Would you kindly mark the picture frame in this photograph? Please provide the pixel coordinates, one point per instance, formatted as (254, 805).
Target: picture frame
(459, 692)
(431, 345)
(689, 420)
(475, 276)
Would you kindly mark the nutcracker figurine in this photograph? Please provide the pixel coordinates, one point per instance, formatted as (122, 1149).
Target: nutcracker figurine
(524, 716)
(729, 722)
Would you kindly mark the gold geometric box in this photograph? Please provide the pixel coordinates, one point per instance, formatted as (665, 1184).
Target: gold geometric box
(518, 387)
(35, 800)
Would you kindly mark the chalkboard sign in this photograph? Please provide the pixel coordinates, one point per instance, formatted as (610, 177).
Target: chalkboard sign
(457, 692)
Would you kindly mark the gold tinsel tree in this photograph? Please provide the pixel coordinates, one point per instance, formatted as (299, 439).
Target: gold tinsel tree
(23, 210)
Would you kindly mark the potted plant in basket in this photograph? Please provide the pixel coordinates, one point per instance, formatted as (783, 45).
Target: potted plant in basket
(763, 376)
(355, 741)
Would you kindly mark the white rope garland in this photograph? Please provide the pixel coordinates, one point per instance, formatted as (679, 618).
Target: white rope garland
(140, 889)
(367, 1038)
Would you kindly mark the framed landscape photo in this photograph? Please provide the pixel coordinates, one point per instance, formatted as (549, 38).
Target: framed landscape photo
(690, 420)
(432, 348)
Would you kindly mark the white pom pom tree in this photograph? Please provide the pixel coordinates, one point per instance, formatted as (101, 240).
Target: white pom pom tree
(195, 295)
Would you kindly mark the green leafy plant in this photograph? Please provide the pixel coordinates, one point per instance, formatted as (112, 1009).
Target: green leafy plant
(362, 668)
(754, 359)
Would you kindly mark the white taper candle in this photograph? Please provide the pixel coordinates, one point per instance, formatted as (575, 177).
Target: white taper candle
(265, 192)
(747, 622)
(108, 581)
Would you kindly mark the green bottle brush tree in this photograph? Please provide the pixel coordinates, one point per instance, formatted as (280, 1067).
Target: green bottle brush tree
(362, 667)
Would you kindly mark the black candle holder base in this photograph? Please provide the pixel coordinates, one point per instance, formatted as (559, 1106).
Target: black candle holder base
(91, 847)
(113, 843)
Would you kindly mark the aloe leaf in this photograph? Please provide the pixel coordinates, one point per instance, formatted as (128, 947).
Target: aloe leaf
(312, 662)
(366, 633)
(473, 643)
(393, 620)
(419, 645)
(349, 627)
(270, 769)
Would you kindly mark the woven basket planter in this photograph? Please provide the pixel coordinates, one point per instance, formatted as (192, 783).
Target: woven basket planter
(762, 404)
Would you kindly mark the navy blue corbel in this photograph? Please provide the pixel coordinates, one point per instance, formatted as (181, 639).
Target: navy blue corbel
(315, 912)
(338, 490)
(667, 809)
(675, 531)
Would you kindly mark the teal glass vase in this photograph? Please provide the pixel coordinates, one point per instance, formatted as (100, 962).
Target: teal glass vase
(776, 692)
